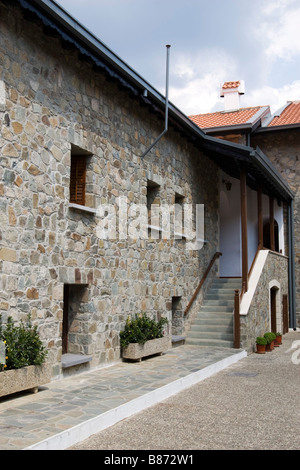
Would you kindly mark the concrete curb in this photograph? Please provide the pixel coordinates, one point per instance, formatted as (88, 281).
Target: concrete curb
(84, 430)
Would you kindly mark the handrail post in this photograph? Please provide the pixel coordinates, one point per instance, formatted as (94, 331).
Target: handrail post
(237, 328)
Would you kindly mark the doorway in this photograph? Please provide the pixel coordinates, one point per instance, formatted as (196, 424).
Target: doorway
(275, 308)
(74, 318)
(273, 294)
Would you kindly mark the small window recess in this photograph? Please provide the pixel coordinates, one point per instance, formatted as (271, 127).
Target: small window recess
(179, 217)
(153, 199)
(81, 195)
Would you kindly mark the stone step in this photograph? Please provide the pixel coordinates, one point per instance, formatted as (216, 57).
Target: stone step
(210, 335)
(209, 342)
(213, 320)
(217, 308)
(218, 303)
(213, 325)
(219, 296)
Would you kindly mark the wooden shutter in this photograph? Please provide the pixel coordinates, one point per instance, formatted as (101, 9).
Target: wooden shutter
(77, 179)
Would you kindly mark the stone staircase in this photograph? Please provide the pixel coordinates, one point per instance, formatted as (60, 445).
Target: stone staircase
(213, 325)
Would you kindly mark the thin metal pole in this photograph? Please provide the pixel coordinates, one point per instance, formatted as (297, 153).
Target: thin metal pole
(166, 105)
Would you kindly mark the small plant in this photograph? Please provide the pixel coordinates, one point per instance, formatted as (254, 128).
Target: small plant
(270, 337)
(141, 329)
(23, 344)
(261, 340)
(278, 334)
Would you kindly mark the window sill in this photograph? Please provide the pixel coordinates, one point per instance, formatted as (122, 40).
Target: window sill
(79, 207)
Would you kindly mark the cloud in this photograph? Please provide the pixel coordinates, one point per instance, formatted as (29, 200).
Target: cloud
(281, 29)
(275, 97)
(197, 78)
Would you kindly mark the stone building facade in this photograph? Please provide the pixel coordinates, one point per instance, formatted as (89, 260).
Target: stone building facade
(282, 146)
(54, 106)
(277, 135)
(71, 249)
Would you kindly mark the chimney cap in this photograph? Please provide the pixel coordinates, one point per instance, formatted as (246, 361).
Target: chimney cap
(229, 87)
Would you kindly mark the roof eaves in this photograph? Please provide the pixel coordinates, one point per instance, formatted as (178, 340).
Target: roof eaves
(97, 49)
(234, 127)
(260, 159)
(281, 127)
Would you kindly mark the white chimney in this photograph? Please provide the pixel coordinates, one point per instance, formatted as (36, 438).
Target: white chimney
(231, 92)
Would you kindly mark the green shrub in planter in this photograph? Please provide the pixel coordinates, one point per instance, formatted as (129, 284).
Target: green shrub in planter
(261, 340)
(23, 344)
(270, 337)
(141, 329)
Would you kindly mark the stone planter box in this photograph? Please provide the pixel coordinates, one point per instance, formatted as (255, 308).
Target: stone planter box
(26, 378)
(136, 351)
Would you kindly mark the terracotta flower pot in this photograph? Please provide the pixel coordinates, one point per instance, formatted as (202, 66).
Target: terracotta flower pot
(270, 346)
(278, 341)
(261, 348)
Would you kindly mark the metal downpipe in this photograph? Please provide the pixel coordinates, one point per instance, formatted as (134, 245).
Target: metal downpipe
(292, 296)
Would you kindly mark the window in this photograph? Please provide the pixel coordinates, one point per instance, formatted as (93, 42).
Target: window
(78, 179)
(82, 188)
(179, 217)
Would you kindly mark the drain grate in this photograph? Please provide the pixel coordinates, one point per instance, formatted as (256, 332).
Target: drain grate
(243, 374)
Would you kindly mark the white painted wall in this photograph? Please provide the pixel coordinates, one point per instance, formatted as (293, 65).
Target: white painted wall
(230, 226)
(230, 229)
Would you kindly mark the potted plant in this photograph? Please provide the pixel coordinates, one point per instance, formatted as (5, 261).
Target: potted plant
(270, 337)
(143, 336)
(278, 340)
(261, 343)
(23, 367)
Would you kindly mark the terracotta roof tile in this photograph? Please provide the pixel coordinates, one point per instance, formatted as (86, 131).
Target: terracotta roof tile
(220, 119)
(289, 115)
(228, 85)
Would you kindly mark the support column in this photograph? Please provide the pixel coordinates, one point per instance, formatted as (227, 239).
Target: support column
(243, 186)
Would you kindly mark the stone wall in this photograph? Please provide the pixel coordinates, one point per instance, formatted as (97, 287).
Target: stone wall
(52, 102)
(258, 318)
(283, 149)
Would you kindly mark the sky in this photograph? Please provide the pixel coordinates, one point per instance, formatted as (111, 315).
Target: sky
(213, 41)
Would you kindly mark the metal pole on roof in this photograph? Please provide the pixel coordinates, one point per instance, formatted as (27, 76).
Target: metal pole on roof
(166, 104)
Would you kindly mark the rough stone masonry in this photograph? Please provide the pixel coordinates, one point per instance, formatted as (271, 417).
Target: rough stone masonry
(54, 104)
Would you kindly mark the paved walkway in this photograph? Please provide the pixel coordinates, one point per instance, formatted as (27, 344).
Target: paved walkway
(253, 404)
(67, 411)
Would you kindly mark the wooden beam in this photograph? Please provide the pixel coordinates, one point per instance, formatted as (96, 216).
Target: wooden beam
(260, 219)
(237, 325)
(243, 187)
(272, 226)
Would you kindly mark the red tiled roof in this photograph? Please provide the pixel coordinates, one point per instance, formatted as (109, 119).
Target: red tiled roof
(228, 85)
(290, 115)
(220, 119)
